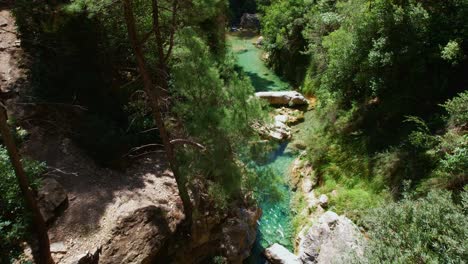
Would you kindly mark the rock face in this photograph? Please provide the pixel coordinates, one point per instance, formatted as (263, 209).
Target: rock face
(277, 254)
(249, 21)
(51, 197)
(137, 238)
(287, 98)
(333, 239)
(230, 235)
(239, 234)
(88, 257)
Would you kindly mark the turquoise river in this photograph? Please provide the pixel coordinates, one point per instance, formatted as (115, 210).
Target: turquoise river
(275, 225)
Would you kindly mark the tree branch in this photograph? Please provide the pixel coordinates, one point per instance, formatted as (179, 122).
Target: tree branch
(189, 142)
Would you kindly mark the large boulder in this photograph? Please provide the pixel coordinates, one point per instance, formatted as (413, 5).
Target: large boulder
(333, 239)
(277, 254)
(249, 21)
(137, 238)
(51, 198)
(287, 98)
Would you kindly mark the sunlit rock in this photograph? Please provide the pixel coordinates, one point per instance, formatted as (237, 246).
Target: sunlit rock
(286, 98)
(333, 239)
(323, 200)
(277, 254)
(259, 41)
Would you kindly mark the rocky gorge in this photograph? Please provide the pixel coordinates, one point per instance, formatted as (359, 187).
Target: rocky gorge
(98, 215)
(325, 237)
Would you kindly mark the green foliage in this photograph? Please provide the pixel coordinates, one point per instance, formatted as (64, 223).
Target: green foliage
(452, 52)
(216, 110)
(449, 151)
(458, 110)
(379, 70)
(432, 229)
(282, 24)
(14, 218)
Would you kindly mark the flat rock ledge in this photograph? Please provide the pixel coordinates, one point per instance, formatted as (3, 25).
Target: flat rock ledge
(286, 98)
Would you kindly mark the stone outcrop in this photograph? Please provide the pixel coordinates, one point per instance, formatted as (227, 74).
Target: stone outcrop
(88, 257)
(249, 21)
(239, 234)
(277, 254)
(230, 236)
(294, 116)
(286, 98)
(51, 197)
(276, 131)
(259, 41)
(333, 239)
(137, 238)
(323, 200)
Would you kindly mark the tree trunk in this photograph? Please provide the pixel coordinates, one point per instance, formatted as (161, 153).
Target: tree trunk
(154, 99)
(38, 225)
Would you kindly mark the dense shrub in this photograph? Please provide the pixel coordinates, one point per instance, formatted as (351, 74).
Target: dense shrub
(380, 70)
(14, 219)
(432, 229)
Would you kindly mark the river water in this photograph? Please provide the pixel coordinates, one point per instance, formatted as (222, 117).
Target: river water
(275, 226)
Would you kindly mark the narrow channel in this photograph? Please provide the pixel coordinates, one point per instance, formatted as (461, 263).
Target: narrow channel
(275, 225)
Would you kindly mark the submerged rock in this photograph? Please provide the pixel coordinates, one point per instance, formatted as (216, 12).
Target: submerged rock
(277, 254)
(51, 196)
(333, 239)
(287, 98)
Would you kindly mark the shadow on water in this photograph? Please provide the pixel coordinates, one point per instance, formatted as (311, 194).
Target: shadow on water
(245, 34)
(249, 58)
(260, 83)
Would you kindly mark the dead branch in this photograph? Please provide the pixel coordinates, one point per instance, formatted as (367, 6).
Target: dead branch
(189, 142)
(141, 147)
(148, 130)
(55, 104)
(145, 153)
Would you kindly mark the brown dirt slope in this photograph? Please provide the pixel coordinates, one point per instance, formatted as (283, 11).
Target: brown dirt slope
(97, 196)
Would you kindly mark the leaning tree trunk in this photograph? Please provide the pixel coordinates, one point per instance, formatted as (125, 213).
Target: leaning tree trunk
(38, 225)
(155, 101)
